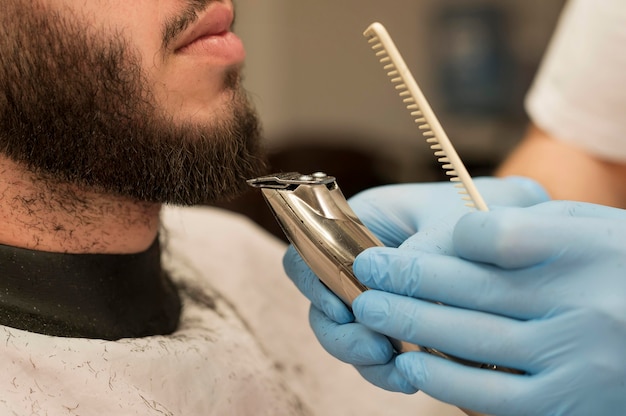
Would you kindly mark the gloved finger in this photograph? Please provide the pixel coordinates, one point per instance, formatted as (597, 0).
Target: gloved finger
(386, 376)
(435, 236)
(308, 283)
(396, 212)
(432, 231)
(453, 281)
(352, 343)
(390, 226)
(514, 238)
(525, 192)
(465, 334)
(578, 210)
(393, 270)
(482, 390)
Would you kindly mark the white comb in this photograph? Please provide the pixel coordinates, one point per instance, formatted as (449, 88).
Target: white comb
(416, 103)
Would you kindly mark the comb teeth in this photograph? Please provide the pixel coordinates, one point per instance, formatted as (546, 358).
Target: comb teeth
(422, 114)
(403, 91)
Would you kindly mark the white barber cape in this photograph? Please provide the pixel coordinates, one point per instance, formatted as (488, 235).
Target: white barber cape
(244, 346)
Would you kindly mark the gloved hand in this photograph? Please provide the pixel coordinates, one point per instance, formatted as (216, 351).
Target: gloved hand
(540, 289)
(412, 216)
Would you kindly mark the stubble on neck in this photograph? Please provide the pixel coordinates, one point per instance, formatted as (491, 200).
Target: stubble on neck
(41, 214)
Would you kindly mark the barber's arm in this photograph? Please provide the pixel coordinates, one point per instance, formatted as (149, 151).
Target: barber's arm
(566, 171)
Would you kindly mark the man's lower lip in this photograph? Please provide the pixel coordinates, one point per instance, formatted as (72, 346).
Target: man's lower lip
(226, 48)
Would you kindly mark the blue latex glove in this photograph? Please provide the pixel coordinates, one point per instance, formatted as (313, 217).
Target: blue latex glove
(541, 289)
(411, 216)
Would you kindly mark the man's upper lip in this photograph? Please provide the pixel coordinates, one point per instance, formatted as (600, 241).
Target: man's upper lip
(216, 20)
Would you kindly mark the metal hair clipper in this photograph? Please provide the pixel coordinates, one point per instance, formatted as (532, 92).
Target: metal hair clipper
(317, 220)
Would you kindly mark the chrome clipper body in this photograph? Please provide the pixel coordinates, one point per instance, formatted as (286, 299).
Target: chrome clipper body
(317, 220)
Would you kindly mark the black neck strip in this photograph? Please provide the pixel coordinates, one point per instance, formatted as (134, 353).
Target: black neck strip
(100, 296)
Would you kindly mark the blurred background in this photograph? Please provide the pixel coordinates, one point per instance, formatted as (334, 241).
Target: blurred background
(327, 105)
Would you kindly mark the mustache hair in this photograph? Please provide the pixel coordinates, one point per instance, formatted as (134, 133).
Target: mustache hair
(174, 26)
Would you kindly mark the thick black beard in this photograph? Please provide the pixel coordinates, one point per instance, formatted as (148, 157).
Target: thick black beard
(76, 108)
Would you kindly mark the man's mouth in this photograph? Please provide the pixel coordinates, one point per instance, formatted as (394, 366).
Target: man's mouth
(211, 36)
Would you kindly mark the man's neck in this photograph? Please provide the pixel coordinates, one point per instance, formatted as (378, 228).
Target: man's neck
(40, 215)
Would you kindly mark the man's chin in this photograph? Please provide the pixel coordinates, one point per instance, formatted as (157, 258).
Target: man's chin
(204, 103)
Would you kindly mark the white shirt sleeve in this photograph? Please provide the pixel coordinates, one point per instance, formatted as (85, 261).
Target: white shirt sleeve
(579, 94)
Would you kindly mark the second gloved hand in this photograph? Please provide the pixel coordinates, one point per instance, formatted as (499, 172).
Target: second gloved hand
(411, 216)
(539, 289)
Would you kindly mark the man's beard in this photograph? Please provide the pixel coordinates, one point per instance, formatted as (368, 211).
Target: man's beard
(76, 108)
